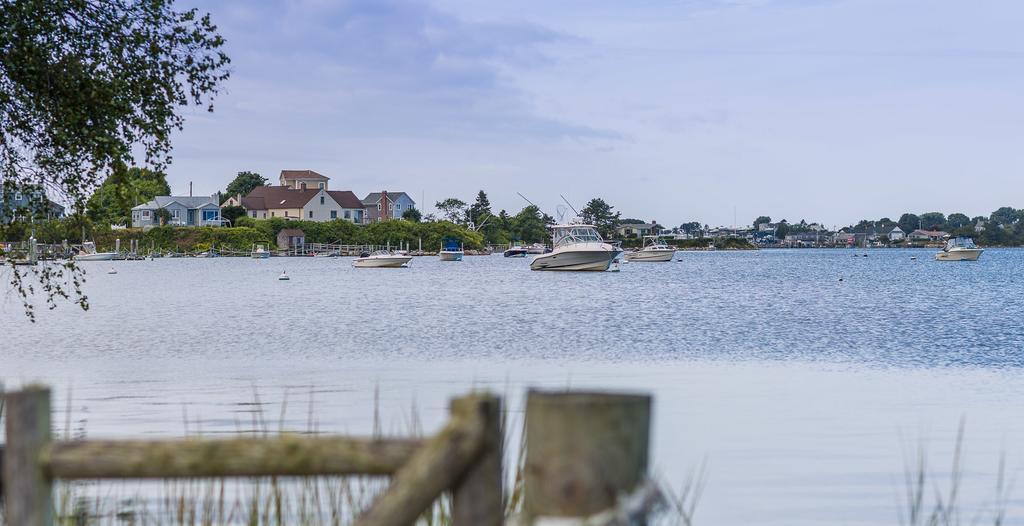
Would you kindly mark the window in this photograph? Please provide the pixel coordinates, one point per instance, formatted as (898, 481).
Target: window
(175, 214)
(145, 214)
(272, 214)
(311, 212)
(210, 215)
(378, 207)
(286, 213)
(322, 186)
(17, 196)
(334, 214)
(302, 186)
(321, 200)
(254, 214)
(398, 206)
(348, 214)
(265, 215)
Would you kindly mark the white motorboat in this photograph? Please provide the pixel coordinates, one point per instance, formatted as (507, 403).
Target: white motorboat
(516, 251)
(653, 249)
(960, 249)
(382, 259)
(451, 250)
(259, 252)
(88, 253)
(537, 248)
(576, 247)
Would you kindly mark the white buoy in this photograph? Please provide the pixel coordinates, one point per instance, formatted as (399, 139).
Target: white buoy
(913, 258)
(283, 276)
(112, 271)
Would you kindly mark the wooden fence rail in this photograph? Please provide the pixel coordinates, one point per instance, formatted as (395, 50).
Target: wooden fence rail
(464, 457)
(585, 452)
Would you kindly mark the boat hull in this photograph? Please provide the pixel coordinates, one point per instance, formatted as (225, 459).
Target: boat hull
(515, 253)
(971, 254)
(579, 260)
(260, 255)
(451, 256)
(650, 255)
(388, 262)
(101, 256)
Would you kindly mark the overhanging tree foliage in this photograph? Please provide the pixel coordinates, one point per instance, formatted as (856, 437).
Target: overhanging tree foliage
(83, 85)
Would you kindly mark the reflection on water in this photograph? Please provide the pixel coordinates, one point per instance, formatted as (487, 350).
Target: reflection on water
(800, 391)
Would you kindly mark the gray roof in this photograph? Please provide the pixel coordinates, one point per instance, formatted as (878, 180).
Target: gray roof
(163, 201)
(374, 197)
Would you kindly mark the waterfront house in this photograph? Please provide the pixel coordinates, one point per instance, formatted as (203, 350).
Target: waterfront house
(290, 237)
(844, 238)
(384, 205)
(897, 234)
(181, 210)
(635, 230)
(928, 235)
(302, 194)
(28, 203)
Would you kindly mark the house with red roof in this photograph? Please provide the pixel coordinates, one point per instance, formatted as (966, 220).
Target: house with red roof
(302, 194)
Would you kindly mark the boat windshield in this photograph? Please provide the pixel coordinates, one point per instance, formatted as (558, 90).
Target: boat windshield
(960, 242)
(572, 234)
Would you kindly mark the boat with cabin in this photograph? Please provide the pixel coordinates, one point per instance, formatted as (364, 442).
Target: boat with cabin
(576, 247)
(259, 252)
(653, 249)
(959, 249)
(515, 251)
(451, 250)
(89, 253)
(537, 248)
(382, 259)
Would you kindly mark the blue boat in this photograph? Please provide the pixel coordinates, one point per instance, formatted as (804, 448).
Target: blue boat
(451, 250)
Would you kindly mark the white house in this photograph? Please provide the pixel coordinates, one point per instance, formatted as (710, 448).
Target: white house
(897, 234)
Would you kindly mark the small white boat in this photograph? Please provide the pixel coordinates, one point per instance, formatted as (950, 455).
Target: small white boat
(959, 249)
(451, 251)
(382, 259)
(517, 251)
(283, 276)
(112, 271)
(537, 248)
(259, 252)
(88, 253)
(654, 249)
(577, 247)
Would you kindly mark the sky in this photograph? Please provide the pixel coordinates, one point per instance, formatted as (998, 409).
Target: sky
(715, 111)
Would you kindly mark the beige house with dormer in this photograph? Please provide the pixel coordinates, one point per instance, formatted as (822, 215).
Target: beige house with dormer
(302, 195)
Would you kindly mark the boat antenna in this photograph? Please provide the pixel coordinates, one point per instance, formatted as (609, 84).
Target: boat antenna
(570, 204)
(527, 200)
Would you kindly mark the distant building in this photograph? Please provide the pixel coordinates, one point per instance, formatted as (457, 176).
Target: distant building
(384, 205)
(289, 238)
(182, 210)
(928, 235)
(631, 230)
(30, 203)
(302, 194)
(897, 234)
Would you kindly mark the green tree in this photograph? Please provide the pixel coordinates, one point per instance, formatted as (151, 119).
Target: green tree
(480, 210)
(454, 210)
(413, 215)
(956, 221)
(530, 226)
(782, 230)
(232, 213)
(243, 183)
(112, 202)
(933, 221)
(84, 85)
(1006, 216)
(762, 220)
(600, 214)
(909, 223)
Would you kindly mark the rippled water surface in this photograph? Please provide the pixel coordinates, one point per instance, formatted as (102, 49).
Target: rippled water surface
(803, 379)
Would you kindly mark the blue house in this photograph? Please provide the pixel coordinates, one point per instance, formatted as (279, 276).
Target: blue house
(28, 203)
(381, 206)
(183, 211)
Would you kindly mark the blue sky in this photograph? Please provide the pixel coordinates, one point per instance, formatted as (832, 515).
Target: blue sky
(831, 110)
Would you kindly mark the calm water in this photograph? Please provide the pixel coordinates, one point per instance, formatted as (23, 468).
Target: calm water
(803, 394)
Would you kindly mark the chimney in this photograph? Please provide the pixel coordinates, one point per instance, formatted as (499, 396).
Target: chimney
(385, 212)
(190, 188)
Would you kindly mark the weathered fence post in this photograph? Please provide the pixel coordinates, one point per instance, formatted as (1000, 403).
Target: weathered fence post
(583, 450)
(477, 497)
(27, 492)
